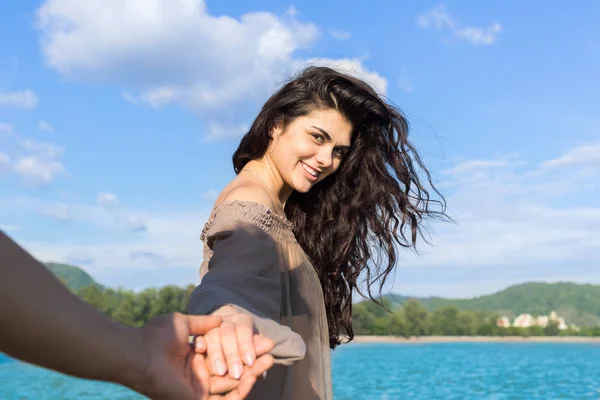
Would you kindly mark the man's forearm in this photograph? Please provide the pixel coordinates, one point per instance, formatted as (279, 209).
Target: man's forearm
(43, 323)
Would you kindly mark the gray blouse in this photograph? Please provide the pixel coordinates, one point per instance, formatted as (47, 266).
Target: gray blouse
(253, 262)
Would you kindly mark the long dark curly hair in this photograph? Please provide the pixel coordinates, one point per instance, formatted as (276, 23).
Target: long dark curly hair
(375, 201)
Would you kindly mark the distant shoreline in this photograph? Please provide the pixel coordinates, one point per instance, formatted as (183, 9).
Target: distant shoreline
(475, 339)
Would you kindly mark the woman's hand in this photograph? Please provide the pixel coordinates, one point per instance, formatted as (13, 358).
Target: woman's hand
(232, 344)
(173, 369)
(226, 387)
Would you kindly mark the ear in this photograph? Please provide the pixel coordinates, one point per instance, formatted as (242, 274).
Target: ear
(277, 130)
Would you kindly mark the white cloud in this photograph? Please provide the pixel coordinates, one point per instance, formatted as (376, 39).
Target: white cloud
(42, 149)
(134, 223)
(109, 214)
(113, 218)
(79, 258)
(161, 96)
(107, 200)
(58, 211)
(340, 34)
(173, 52)
(10, 228)
(37, 162)
(438, 18)
(38, 171)
(354, 67)
(130, 98)
(515, 214)
(480, 165)
(6, 128)
(507, 224)
(25, 99)
(170, 238)
(480, 36)
(147, 256)
(45, 126)
(217, 130)
(584, 155)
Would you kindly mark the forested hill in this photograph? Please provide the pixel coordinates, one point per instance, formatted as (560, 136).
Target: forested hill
(577, 303)
(74, 277)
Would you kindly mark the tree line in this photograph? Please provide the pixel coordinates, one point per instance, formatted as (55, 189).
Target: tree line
(413, 319)
(135, 309)
(368, 318)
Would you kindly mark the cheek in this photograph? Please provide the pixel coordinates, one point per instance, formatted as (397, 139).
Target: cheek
(304, 148)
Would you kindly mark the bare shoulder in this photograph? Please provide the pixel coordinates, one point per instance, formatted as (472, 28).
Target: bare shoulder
(246, 191)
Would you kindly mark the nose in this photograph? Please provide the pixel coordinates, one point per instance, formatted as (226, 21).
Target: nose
(325, 157)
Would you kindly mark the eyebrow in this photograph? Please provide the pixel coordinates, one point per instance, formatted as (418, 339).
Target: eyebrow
(324, 132)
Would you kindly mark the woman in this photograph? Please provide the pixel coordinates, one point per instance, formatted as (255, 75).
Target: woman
(328, 185)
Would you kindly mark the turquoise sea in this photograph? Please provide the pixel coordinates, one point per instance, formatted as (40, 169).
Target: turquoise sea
(390, 371)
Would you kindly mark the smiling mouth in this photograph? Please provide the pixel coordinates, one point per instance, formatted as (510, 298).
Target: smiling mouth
(312, 173)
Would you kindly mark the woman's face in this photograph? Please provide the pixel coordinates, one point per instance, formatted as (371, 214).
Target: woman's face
(310, 148)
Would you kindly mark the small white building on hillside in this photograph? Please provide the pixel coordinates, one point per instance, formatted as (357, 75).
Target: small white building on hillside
(524, 321)
(527, 321)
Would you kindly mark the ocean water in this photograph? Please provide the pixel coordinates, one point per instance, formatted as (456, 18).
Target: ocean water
(390, 371)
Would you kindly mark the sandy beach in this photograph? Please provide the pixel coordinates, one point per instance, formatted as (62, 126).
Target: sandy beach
(478, 339)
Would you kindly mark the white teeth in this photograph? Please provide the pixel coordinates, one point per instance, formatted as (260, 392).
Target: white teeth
(310, 170)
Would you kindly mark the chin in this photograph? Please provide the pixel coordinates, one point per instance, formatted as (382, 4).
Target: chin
(302, 187)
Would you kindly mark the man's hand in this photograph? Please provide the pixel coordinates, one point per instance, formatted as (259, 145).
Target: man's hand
(174, 369)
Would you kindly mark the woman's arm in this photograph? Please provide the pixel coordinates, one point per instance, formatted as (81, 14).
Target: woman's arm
(44, 324)
(243, 286)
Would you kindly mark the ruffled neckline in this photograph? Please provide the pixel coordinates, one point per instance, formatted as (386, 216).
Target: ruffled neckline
(260, 214)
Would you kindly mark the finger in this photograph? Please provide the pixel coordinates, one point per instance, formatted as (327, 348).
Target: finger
(262, 344)
(216, 360)
(200, 324)
(225, 384)
(229, 342)
(244, 329)
(243, 390)
(199, 344)
(239, 393)
(262, 365)
(200, 376)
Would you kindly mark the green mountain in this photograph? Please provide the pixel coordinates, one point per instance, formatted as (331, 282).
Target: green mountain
(75, 277)
(577, 303)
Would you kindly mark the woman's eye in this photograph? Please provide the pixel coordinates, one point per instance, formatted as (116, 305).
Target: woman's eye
(318, 138)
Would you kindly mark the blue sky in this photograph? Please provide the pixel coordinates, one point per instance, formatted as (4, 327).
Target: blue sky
(118, 120)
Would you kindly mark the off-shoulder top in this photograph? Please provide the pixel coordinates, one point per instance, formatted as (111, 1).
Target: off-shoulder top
(253, 262)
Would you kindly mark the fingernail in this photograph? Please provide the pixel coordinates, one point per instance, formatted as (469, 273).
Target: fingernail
(264, 375)
(248, 359)
(236, 370)
(220, 367)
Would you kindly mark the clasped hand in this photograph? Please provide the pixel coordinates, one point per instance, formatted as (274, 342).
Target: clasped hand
(234, 345)
(225, 343)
